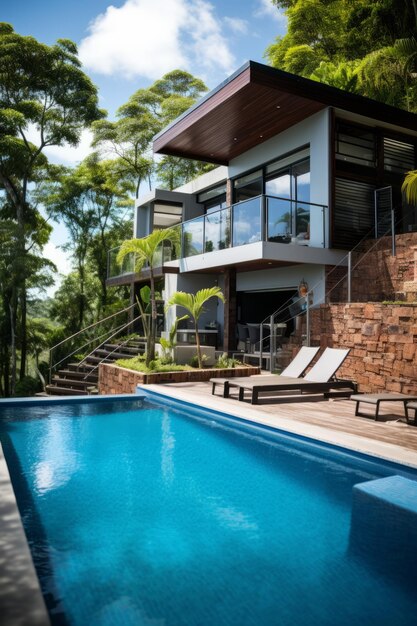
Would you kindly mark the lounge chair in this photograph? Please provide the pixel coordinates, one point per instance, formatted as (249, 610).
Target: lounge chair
(411, 406)
(320, 379)
(296, 368)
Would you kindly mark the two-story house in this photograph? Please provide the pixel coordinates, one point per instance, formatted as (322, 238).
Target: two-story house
(301, 166)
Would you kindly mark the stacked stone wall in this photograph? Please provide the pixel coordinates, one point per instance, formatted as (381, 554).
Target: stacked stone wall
(382, 339)
(377, 274)
(114, 379)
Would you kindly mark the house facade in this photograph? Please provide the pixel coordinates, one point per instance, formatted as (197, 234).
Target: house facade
(304, 172)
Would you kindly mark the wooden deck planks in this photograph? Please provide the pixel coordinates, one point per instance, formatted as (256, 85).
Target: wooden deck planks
(336, 415)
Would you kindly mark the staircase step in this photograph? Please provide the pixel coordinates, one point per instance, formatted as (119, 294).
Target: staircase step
(53, 390)
(114, 346)
(71, 383)
(89, 375)
(76, 367)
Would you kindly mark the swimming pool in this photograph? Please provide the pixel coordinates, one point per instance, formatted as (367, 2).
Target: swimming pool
(146, 514)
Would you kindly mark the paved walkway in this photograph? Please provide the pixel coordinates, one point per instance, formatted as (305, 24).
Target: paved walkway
(332, 421)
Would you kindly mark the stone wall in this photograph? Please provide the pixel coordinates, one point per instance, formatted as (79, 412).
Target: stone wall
(377, 275)
(113, 379)
(382, 339)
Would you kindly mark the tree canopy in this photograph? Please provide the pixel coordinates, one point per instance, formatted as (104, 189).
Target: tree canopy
(45, 100)
(366, 46)
(129, 138)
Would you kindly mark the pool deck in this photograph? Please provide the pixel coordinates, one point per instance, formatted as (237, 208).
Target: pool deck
(331, 421)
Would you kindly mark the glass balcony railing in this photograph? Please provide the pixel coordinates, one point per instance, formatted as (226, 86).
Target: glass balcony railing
(166, 252)
(263, 218)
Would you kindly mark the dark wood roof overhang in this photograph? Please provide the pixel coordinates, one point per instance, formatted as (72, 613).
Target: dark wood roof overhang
(256, 103)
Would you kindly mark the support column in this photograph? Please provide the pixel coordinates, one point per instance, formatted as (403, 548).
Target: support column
(229, 334)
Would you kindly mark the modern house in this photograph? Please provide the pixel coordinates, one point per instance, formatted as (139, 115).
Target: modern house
(305, 171)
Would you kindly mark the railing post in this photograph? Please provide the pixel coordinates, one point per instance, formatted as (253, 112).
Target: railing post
(263, 217)
(308, 319)
(394, 252)
(272, 344)
(349, 282)
(50, 365)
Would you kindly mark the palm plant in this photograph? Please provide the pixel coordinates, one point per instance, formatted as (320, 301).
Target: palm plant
(409, 187)
(194, 305)
(147, 252)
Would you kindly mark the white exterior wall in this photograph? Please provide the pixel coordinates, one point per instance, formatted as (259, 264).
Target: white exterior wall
(284, 278)
(315, 131)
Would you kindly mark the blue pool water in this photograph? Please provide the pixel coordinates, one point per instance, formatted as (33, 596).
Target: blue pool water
(147, 515)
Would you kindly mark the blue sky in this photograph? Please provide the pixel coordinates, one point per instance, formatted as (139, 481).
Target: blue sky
(131, 43)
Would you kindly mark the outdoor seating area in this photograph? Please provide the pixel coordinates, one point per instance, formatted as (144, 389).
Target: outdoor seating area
(375, 399)
(320, 378)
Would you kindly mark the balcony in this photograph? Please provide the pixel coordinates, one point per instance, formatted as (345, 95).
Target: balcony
(165, 253)
(263, 218)
(260, 219)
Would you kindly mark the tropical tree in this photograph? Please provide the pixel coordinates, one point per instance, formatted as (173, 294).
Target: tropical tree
(93, 201)
(45, 100)
(147, 251)
(194, 305)
(129, 138)
(367, 46)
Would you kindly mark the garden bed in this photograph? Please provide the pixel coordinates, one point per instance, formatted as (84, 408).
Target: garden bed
(114, 379)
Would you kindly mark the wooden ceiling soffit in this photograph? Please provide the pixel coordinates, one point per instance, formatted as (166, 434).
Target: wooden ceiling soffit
(255, 104)
(240, 115)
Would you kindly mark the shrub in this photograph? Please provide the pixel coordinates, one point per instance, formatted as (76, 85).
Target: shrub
(225, 362)
(28, 386)
(138, 364)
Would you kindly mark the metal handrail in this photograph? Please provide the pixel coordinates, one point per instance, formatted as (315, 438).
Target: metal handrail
(103, 342)
(306, 298)
(78, 348)
(52, 365)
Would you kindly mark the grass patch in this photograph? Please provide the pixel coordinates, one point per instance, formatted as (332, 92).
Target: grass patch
(138, 365)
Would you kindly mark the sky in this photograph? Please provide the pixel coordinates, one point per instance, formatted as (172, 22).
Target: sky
(129, 44)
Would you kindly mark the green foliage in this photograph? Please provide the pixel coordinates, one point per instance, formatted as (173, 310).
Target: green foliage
(44, 91)
(147, 251)
(155, 365)
(194, 361)
(409, 187)
(27, 386)
(226, 362)
(147, 111)
(366, 46)
(194, 304)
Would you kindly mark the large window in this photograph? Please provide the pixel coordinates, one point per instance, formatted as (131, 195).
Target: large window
(248, 186)
(288, 195)
(355, 144)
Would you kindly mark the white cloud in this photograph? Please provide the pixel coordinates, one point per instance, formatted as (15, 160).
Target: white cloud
(265, 8)
(237, 25)
(66, 154)
(70, 155)
(57, 256)
(151, 37)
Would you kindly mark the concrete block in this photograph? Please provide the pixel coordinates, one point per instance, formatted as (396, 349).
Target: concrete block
(384, 523)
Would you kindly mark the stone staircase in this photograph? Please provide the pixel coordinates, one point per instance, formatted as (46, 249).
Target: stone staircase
(81, 379)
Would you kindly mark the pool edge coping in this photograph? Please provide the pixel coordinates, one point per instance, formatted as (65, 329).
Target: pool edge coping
(358, 444)
(21, 598)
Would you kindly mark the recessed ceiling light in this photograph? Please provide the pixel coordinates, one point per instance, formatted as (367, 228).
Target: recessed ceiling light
(234, 138)
(278, 106)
